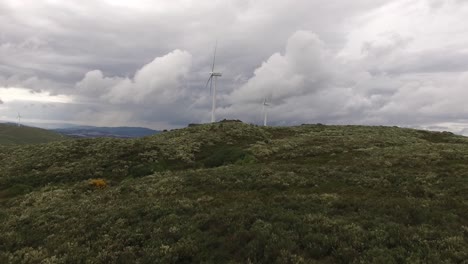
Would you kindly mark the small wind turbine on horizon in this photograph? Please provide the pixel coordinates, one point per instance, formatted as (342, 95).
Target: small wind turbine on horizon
(19, 119)
(213, 75)
(265, 105)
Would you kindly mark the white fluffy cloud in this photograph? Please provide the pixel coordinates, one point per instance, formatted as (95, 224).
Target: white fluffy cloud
(307, 83)
(161, 81)
(302, 69)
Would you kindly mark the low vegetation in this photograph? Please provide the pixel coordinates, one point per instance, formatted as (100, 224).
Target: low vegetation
(238, 193)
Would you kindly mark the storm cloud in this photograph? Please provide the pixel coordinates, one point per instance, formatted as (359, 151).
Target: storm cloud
(146, 62)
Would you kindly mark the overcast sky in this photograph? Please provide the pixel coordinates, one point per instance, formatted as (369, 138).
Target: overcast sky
(145, 63)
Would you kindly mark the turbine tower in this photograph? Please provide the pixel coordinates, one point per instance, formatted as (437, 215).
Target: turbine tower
(266, 104)
(213, 75)
(19, 119)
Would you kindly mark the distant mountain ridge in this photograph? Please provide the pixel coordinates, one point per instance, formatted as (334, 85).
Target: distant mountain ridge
(114, 132)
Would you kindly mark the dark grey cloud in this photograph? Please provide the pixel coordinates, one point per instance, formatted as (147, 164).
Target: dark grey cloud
(122, 62)
(69, 39)
(432, 61)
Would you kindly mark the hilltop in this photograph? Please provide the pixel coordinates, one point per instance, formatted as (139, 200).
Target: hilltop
(11, 134)
(238, 193)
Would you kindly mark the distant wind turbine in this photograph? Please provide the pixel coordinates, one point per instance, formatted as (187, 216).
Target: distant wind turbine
(213, 75)
(266, 104)
(19, 119)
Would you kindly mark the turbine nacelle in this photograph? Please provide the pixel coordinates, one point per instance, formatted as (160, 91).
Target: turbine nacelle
(216, 74)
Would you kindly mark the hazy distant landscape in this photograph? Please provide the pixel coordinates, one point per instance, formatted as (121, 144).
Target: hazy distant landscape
(11, 133)
(114, 132)
(233, 192)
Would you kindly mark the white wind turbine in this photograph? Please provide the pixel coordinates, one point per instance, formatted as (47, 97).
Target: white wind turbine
(19, 119)
(213, 75)
(266, 104)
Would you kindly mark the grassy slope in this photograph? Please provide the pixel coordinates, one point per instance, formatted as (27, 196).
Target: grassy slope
(229, 191)
(13, 135)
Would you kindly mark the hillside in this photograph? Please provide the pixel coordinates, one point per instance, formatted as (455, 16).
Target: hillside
(237, 193)
(11, 134)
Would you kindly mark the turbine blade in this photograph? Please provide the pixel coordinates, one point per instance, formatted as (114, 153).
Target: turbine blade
(207, 82)
(214, 56)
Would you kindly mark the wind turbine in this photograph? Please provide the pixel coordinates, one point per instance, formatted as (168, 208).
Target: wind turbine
(19, 119)
(265, 106)
(213, 75)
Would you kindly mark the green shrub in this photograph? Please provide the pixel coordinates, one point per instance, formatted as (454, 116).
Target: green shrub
(223, 155)
(17, 189)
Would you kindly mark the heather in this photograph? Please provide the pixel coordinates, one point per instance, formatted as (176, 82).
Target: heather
(235, 193)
